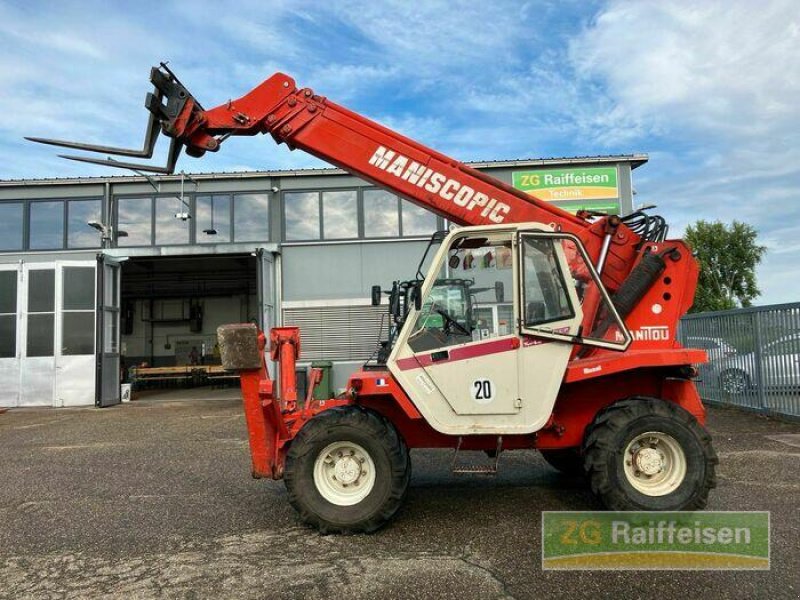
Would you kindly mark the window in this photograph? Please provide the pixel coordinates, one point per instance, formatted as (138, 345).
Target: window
(170, 228)
(556, 278)
(381, 214)
(135, 217)
(302, 215)
(79, 213)
(543, 284)
(251, 217)
(78, 319)
(46, 225)
(213, 219)
(11, 225)
(783, 347)
(41, 311)
(468, 299)
(417, 220)
(8, 314)
(110, 307)
(340, 215)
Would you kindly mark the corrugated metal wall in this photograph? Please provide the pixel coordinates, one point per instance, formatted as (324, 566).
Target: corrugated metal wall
(338, 333)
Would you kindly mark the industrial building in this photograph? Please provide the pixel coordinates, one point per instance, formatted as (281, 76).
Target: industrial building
(101, 275)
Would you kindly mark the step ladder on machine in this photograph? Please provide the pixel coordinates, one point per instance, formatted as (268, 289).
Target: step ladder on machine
(488, 469)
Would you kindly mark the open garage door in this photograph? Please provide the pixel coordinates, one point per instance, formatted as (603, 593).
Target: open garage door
(170, 308)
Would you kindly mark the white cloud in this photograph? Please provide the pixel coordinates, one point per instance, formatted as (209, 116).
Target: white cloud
(713, 88)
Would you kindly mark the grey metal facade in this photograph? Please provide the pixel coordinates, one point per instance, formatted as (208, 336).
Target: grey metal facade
(319, 280)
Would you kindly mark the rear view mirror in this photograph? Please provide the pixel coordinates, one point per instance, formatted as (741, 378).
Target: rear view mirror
(416, 295)
(499, 291)
(376, 295)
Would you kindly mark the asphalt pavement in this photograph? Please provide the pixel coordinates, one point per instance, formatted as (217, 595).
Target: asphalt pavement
(153, 499)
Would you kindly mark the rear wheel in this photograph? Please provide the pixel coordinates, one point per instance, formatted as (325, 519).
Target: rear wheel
(649, 454)
(568, 460)
(347, 471)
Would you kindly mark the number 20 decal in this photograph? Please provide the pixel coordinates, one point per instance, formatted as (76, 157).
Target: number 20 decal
(482, 391)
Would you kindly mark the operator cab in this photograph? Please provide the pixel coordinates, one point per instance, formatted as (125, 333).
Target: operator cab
(490, 329)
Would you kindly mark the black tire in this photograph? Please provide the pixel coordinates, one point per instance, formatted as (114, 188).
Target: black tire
(618, 425)
(568, 460)
(734, 382)
(379, 438)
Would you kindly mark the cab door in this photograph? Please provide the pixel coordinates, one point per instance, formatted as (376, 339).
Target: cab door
(466, 376)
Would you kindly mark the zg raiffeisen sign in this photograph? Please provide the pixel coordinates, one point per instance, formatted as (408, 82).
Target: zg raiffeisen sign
(590, 188)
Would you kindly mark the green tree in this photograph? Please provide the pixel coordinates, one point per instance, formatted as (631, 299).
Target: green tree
(728, 255)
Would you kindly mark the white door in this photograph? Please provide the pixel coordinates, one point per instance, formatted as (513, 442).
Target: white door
(10, 291)
(75, 360)
(36, 335)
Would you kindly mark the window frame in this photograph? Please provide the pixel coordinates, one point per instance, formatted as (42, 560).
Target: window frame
(28, 226)
(23, 241)
(196, 232)
(571, 295)
(67, 202)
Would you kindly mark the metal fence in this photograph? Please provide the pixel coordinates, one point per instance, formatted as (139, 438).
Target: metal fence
(753, 356)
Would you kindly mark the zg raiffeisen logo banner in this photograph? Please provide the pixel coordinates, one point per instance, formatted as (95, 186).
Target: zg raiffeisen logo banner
(555, 185)
(655, 540)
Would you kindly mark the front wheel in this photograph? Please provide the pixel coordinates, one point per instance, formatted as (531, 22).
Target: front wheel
(347, 471)
(649, 454)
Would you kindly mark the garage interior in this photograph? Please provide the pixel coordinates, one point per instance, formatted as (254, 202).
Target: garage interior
(170, 310)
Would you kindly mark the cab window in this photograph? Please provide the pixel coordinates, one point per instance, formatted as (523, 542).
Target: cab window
(544, 289)
(471, 295)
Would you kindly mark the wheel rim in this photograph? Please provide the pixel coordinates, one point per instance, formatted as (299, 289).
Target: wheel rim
(734, 382)
(655, 463)
(344, 473)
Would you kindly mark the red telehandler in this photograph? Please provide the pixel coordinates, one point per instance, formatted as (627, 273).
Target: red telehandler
(585, 367)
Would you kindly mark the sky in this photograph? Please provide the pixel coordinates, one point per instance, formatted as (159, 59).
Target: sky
(709, 90)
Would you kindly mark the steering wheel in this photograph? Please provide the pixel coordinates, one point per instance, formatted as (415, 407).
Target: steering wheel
(450, 322)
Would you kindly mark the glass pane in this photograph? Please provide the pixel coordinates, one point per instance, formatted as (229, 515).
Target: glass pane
(47, 225)
(339, 215)
(78, 288)
(41, 290)
(8, 336)
(544, 289)
(171, 229)
(460, 308)
(251, 217)
(78, 333)
(79, 213)
(381, 216)
(302, 215)
(40, 335)
(217, 220)
(110, 285)
(11, 226)
(134, 216)
(110, 331)
(8, 291)
(417, 220)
